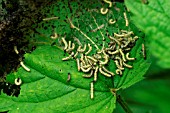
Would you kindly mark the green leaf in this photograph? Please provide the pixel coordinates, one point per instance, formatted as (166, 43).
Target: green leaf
(154, 20)
(135, 74)
(85, 21)
(150, 95)
(46, 85)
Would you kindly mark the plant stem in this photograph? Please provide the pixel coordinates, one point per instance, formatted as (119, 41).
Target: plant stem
(123, 104)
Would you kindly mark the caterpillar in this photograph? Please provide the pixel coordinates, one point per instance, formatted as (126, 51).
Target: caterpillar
(109, 2)
(104, 73)
(91, 90)
(143, 51)
(104, 11)
(90, 49)
(104, 69)
(128, 58)
(65, 43)
(82, 50)
(51, 18)
(123, 56)
(25, 67)
(69, 57)
(55, 36)
(70, 48)
(129, 66)
(15, 49)
(69, 77)
(95, 73)
(111, 21)
(18, 81)
(126, 19)
(119, 71)
(78, 64)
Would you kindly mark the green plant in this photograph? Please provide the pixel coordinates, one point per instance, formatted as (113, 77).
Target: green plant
(47, 88)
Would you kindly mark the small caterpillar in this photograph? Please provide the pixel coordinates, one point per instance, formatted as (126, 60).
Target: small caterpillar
(104, 73)
(129, 66)
(91, 58)
(120, 60)
(69, 57)
(119, 71)
(91, 90)
(76, 54)
(123, 56)
(86, 60)
(95, 73)
(128, 58)
(51, 18)
(54, 37)
(124, 31)
(104, 11)
(109, 2)
(88, 75)
(82, 50)
(70, 48)
(126, 19)
(90, 49)
(65, 43)
(118, 66)
(69, 77)
(111, 38)
(82, 59)
(111, 21)
(85, 66)
(86, 70)
(143, 51)
(123, 35)
(90, 62)
(104, 69)
(106, 60)
(97, 56)
(114, 52)
(69, 44)
(78, 64)
(18, 81)
(26, 68)
(15, 49)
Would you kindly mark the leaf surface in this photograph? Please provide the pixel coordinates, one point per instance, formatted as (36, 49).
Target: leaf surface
(154, 19)
(46, 88)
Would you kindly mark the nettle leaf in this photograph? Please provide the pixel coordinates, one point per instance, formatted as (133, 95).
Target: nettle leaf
(154, 20)
(140, 66)
(47, 87)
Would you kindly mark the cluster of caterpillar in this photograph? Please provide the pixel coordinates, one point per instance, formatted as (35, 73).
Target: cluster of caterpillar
(118, 50)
